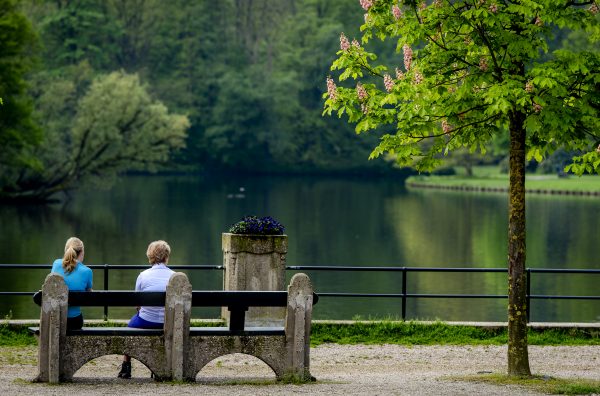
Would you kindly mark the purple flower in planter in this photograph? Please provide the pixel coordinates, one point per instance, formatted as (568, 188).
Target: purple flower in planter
(254, 225)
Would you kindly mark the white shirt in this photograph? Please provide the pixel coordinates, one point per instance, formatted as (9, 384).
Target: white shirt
(154, 278)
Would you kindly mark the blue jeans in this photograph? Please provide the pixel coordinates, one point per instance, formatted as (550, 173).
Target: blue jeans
(140, 323)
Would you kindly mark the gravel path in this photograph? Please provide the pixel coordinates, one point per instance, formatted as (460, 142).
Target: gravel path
(340, 370)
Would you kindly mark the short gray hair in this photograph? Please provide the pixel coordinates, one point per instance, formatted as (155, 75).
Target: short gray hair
(158, 252)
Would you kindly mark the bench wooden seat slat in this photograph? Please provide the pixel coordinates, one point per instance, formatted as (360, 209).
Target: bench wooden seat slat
(248, 331)
(194, 331)
(115, 331)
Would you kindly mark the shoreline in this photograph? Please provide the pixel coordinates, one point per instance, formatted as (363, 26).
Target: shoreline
(484, 189)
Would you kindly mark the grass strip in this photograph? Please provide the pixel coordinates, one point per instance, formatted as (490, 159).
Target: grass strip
(439, 333)
(543, 384)
(385, 332)
(16, 336)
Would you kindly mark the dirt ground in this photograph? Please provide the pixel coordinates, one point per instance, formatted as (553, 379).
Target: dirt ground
(339, 369)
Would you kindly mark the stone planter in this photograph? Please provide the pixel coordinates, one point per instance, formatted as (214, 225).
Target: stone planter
(255, 262)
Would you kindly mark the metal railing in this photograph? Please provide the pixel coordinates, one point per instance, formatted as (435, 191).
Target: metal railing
(404, 294)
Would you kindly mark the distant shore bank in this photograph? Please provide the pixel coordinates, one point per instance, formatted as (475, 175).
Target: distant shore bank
(487, 179)
(487, 189)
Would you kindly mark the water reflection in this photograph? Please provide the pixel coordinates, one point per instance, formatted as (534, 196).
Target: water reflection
(356, 222)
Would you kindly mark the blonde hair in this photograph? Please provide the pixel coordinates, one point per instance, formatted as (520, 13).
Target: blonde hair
(158, 252)
(73, 249)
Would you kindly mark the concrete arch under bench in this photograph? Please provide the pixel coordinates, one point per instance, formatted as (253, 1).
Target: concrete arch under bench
(148, 350)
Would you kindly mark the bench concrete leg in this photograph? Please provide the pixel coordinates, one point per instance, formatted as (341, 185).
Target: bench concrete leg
(178, 306)
(53, 328)
(297, 326)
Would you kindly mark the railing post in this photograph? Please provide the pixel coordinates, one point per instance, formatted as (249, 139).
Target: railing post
(404, 273)
(105, 288)
(528, 294)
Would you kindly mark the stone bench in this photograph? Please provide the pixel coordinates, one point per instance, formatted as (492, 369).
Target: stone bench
(178, 351)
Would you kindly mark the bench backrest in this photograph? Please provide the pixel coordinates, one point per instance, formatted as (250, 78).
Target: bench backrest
(237, 302)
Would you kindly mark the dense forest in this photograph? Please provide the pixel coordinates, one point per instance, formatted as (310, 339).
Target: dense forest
(92, 88)
(248, 74)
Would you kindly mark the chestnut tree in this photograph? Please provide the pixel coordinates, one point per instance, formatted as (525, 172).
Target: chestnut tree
(472, 70)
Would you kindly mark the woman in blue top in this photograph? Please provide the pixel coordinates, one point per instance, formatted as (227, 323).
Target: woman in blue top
(77, 276)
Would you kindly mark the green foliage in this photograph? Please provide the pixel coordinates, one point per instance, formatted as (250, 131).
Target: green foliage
(78, 30)
(116, 127)
(247, 74)
(472, 71)
(469, 67)
(17, 42)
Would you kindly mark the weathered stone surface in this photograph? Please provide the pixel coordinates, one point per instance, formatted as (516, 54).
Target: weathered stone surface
(53, 325)
(256, 244)
(269, 349)
(178, 307)
(255, 262)
(175, 355)
(149, 350)
(297, 325)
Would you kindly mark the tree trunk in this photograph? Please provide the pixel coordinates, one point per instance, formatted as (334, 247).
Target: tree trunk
(518, 358)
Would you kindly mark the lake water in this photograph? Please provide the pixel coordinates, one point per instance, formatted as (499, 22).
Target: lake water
(329, 221)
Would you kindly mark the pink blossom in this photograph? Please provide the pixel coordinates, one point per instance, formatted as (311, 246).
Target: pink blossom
(529, 86)
(344, 43)
(446, 127)
(483, 65)
(399, 74)
(355, 44)
(366, 4)
(388, 82)
(418, 78)
(397, 12)
(538, 21)
(537, 108)
(331, 89)
(493, 8)
(364, 108)
(422, 5)
(361, 92)
(594, 9)
(408, 53)
(437, 3)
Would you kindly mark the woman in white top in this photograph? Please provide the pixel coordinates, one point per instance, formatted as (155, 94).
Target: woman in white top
(154, 278)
